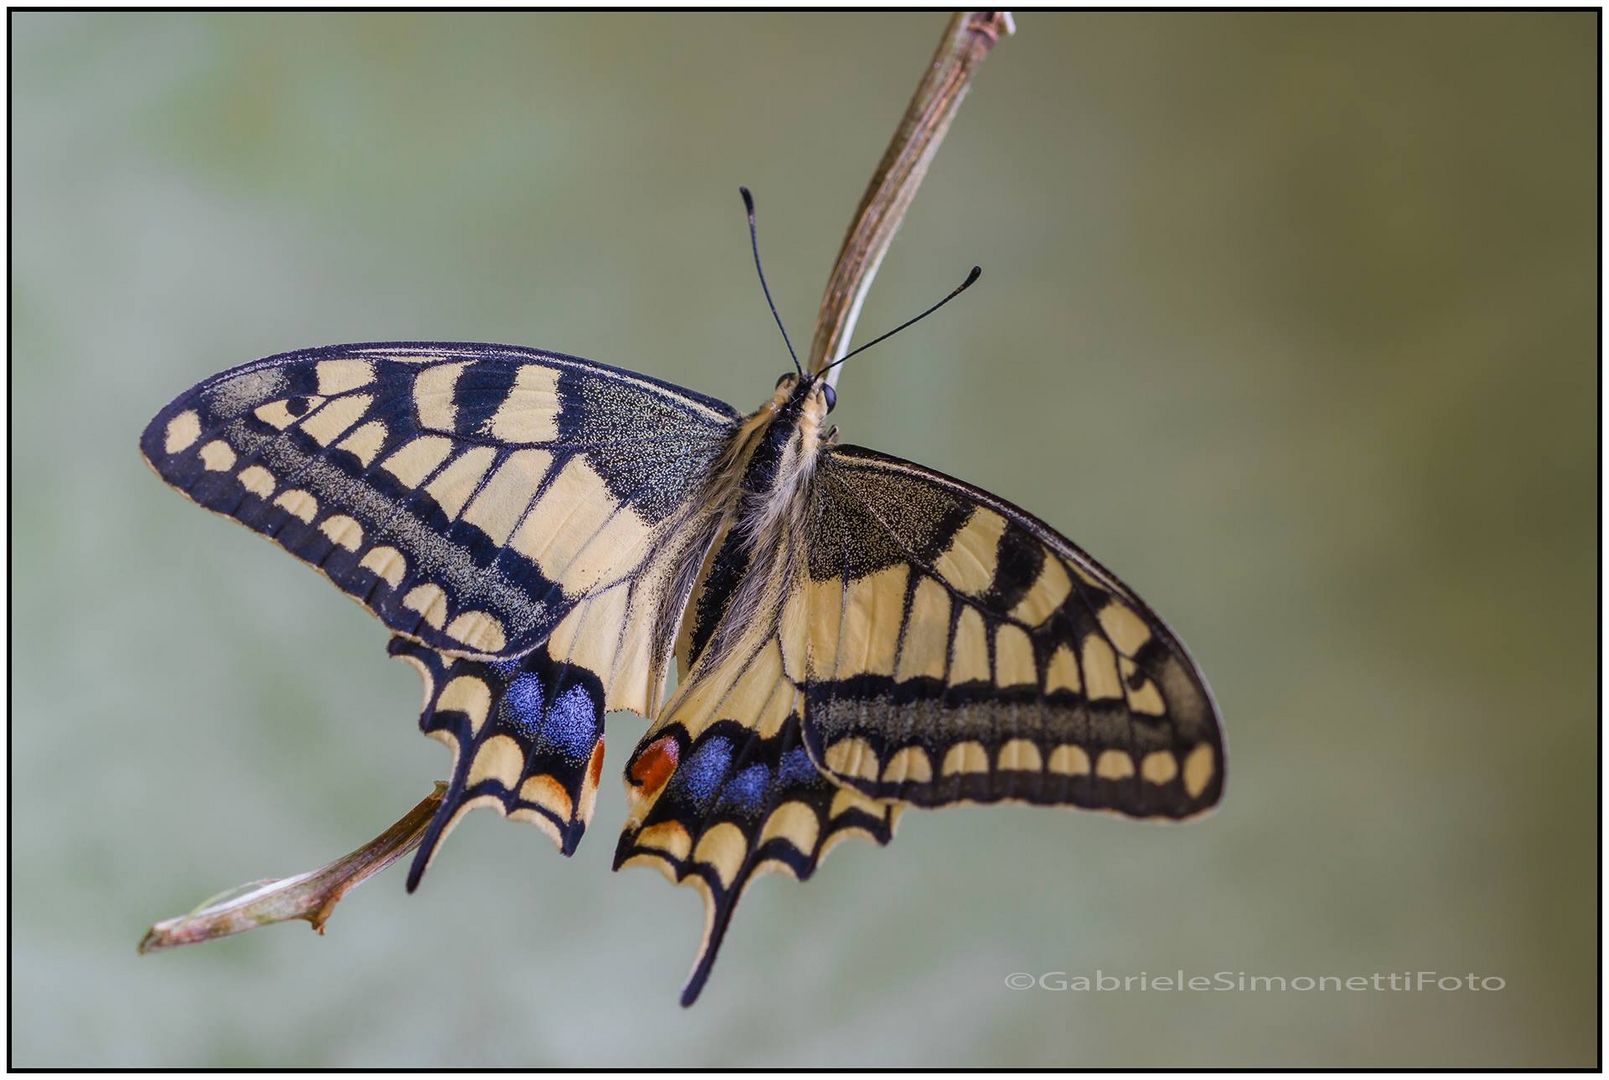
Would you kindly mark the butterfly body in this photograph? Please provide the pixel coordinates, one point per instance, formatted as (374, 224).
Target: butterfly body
(545, 537)
(762, 492)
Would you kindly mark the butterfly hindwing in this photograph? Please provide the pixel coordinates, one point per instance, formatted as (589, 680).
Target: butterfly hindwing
(961, 650)
(722, 789)
(526, 737)
(468, 495)
(742, 806)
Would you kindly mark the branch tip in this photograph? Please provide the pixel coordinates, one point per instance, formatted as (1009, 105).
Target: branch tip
(310, 896)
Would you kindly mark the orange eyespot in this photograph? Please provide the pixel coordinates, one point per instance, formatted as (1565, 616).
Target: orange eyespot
(654, 765)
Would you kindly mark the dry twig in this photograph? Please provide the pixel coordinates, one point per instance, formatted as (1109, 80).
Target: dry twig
(966, 43)
(310, 896)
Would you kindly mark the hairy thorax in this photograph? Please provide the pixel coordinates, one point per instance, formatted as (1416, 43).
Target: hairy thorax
(762, 489)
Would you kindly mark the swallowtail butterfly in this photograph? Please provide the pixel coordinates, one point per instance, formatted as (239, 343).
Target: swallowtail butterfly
(545, 537)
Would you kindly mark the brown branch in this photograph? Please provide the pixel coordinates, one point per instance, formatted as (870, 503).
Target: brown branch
(966, 43)
(311, 896)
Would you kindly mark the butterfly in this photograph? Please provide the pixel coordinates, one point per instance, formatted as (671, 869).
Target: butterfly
(546, 537)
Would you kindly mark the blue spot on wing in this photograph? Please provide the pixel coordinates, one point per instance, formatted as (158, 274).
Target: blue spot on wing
(701, 774)
(746, 791)
(797, 768)
(572, 724)
(523, 703)
(568, 724)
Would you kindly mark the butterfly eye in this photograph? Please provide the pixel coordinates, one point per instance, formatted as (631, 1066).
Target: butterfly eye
(784, 377)
(830, 394)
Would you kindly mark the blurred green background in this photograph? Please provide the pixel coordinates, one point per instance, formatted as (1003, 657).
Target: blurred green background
(1290, 319)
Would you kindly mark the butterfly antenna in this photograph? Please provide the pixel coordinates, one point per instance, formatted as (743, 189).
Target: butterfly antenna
(977, 272)
(754, 242)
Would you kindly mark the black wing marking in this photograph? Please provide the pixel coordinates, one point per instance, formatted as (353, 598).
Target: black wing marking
(961, 650)
(467, 494)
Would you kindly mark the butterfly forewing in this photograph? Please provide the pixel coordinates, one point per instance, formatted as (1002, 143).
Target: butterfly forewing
(962, 651)
(469, 495)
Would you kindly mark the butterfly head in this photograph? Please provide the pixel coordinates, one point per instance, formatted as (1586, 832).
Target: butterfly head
(799, 395)
(797, 413)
